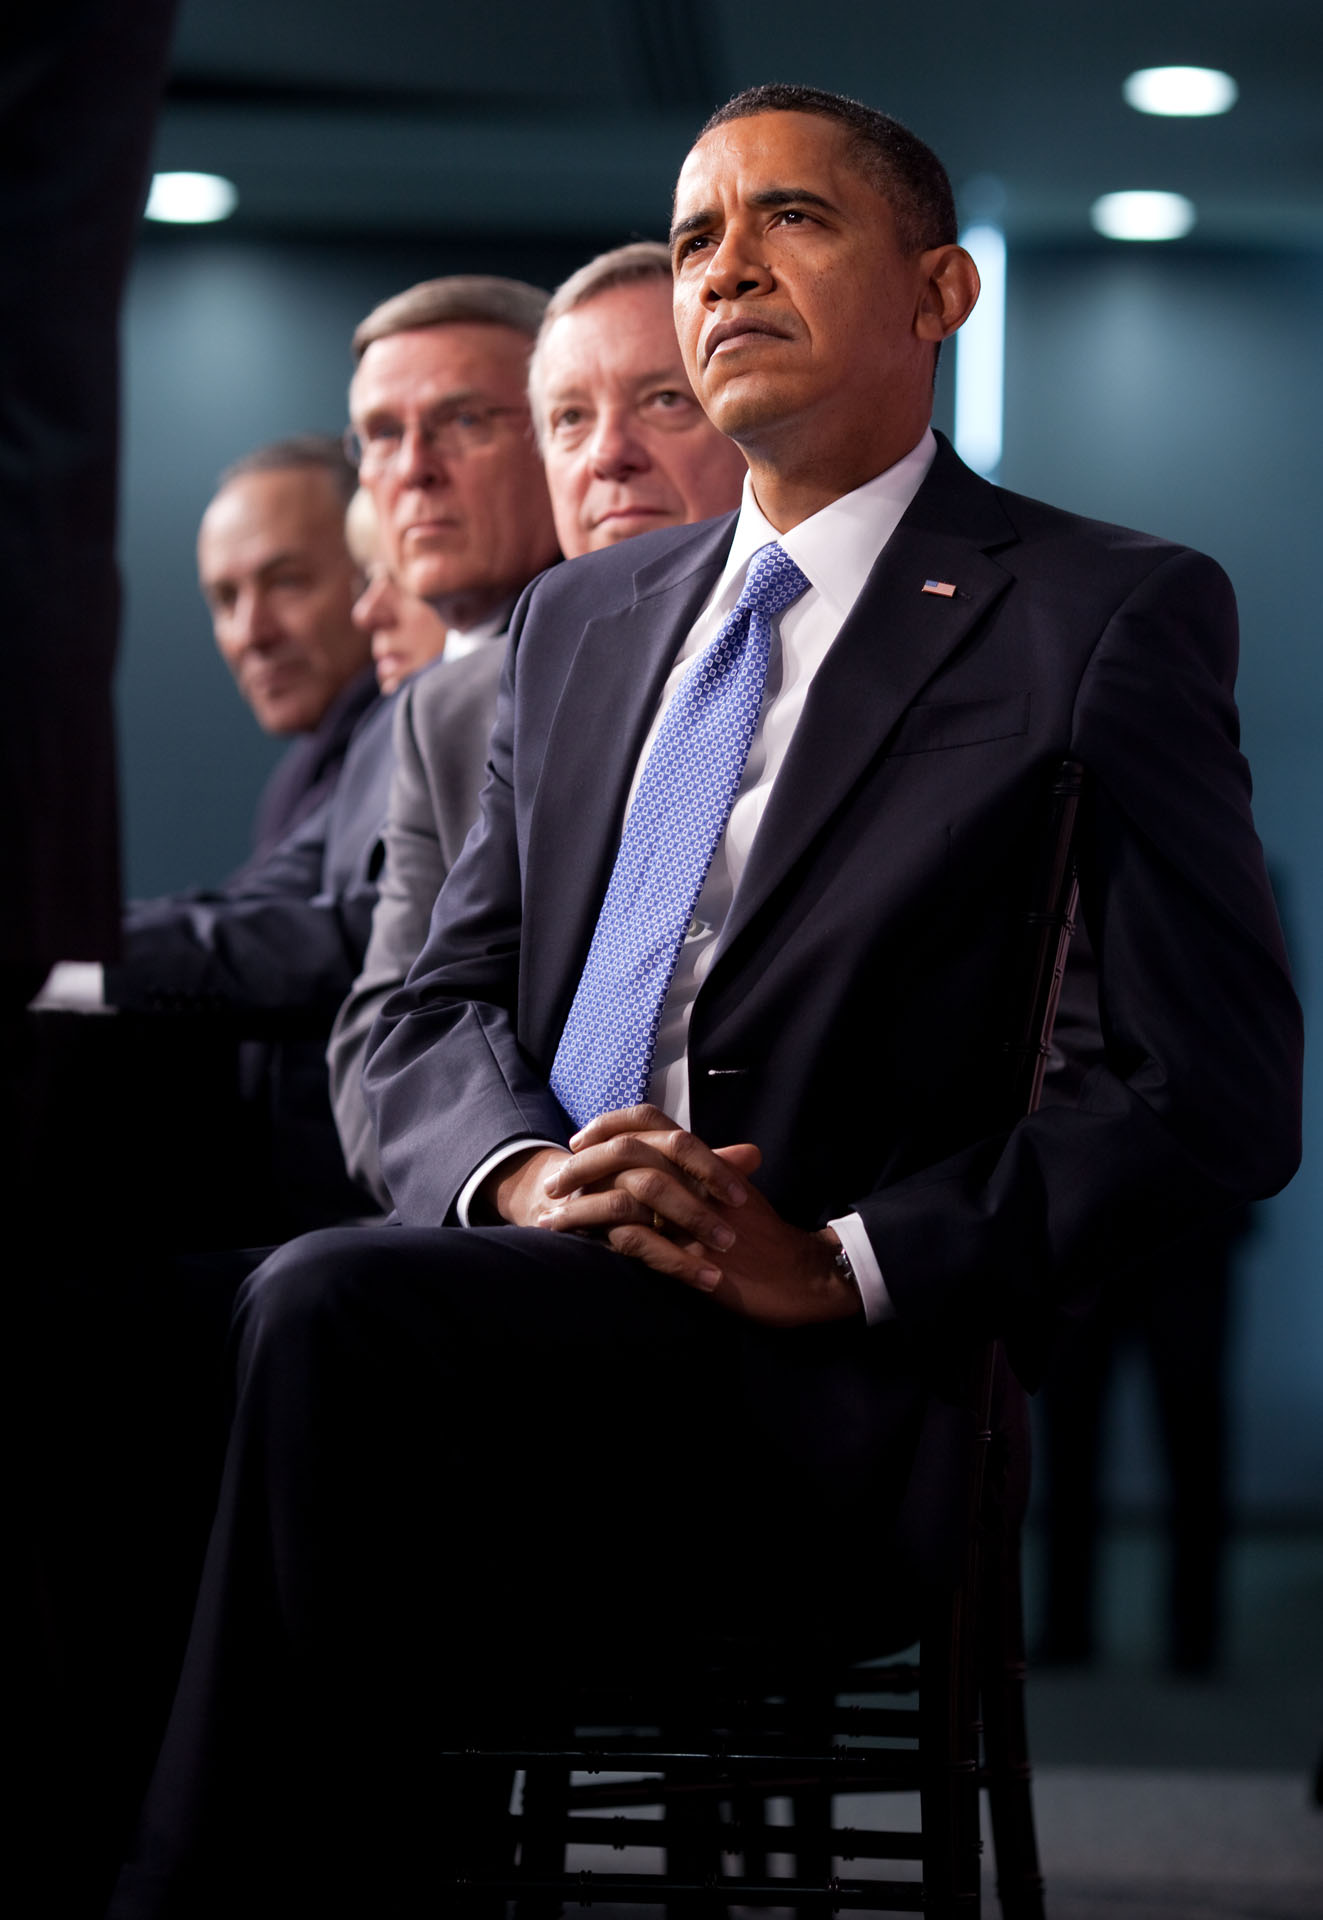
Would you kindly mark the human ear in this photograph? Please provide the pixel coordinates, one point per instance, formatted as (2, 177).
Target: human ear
(949, 286)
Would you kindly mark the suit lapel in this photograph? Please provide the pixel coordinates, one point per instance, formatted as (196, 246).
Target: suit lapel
(895, 640)
(602, 717)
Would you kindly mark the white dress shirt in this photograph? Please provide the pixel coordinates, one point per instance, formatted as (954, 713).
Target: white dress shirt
(836, 550)
(462, 640)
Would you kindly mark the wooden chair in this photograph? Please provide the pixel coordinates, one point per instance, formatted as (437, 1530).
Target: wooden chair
(732, 1770)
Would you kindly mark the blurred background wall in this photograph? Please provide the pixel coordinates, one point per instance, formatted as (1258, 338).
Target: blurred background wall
(1175, 387)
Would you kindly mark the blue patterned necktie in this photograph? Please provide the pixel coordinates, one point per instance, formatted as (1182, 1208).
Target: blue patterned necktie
(680, 809)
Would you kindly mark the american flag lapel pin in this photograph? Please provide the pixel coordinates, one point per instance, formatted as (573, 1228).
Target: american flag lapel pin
(946, 588)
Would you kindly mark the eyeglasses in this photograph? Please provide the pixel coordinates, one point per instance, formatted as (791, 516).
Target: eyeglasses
(454, 432)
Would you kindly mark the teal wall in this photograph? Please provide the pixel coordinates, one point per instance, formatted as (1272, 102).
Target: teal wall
(1182, 392)
(1166, 388)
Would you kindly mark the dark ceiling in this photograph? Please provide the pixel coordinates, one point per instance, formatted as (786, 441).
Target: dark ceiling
(571, 116)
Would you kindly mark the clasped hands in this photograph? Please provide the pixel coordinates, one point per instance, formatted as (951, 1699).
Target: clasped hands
(657, 1193)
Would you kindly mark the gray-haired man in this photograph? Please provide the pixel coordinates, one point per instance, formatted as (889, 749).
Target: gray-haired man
(627, 449)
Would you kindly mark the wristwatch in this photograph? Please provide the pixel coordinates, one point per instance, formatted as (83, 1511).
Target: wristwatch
(841, 1261)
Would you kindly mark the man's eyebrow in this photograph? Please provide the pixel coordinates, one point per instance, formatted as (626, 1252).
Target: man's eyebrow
(461, 397)
(576, 386)
(287, 557)
(219, 582)
(692, 223)
(791, 197)
(768, 197)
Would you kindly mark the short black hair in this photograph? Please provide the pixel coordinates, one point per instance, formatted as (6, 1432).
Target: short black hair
(893, 160)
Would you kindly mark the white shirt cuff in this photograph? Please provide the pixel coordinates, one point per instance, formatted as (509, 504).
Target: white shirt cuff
(73, 986)
(493, 1160)
(851, 1233)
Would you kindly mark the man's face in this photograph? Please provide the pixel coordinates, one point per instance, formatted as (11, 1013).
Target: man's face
(279, 583)
(451, 464)
(795, 305)
(626, 445)
(404, 631)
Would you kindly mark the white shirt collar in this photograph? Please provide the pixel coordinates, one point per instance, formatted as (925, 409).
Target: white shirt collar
(836, 547)
(462, 640)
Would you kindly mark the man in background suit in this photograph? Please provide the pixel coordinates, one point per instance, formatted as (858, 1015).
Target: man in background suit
(254, 966)
(280, 586)
(745, 1145)
(465, 523)
(627, 449)
(404, 632)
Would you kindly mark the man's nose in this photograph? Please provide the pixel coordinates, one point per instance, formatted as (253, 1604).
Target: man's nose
(419, 460)
(616, 448)
(253, 621)
(734, 269)
(373, 608)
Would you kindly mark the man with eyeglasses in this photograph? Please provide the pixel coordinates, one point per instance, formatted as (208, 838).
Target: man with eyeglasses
(627, 450)
(444, 444)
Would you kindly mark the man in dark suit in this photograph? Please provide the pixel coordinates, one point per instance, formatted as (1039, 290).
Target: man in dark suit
(235, 1127)
(736, 1106)
(280, 585)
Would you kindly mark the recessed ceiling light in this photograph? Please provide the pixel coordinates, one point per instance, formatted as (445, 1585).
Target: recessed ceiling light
(191, 199)
(1186, 91)
(1142, 216)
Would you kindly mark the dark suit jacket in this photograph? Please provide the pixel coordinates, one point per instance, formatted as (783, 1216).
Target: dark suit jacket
(307, 774)
(442, 725)
(851, 1023)
(267, 958)
(278, 945)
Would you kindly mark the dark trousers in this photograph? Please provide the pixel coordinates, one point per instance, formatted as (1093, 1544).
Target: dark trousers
(118, 1389)
(465, 1470)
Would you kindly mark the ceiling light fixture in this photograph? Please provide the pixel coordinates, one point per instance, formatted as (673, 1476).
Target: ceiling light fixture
(1183, 91)
(191, 199)
(1142, 216)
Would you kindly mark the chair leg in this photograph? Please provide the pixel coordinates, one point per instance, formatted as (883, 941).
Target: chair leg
(948, 1767)
(811, 1810)
(543, 1825)
(750, 1811)
(694, 1854)
(1006, 1744)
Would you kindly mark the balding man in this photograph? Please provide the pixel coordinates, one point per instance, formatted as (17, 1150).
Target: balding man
(280, 586)
(627, 449)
